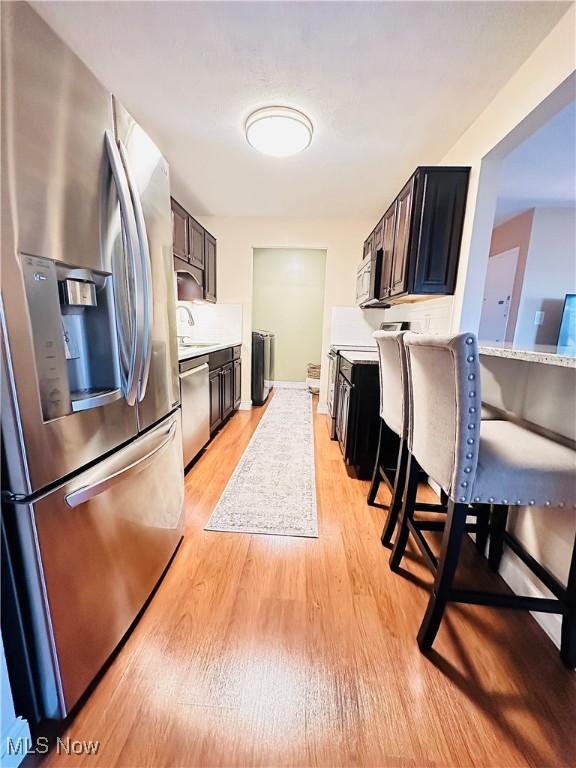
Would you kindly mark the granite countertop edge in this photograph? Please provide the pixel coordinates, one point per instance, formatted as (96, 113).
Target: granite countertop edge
(360, 358)
(189, 354)
(530, 355)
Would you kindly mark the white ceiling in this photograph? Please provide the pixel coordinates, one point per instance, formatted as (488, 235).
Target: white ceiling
(541, 172)
(387, 85)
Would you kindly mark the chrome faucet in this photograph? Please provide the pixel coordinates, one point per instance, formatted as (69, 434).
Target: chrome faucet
(190, 322)
(188, 312)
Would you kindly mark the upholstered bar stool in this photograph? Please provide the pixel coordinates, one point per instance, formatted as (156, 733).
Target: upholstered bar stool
(395, 414)
(495, 464)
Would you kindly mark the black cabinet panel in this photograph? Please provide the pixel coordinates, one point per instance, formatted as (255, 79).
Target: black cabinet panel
(227, 385)
(215, 400)
(388, 236)
(440, 230)
(210, 267)
(402, 235)
(237, 383)
(357, 416)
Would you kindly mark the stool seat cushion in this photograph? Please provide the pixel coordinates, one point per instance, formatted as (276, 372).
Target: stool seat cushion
(520, 467)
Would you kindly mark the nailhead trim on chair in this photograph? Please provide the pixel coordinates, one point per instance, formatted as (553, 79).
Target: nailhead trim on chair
(471, 359)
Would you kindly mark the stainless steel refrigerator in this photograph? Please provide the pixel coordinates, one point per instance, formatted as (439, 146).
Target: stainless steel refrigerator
(91, 437)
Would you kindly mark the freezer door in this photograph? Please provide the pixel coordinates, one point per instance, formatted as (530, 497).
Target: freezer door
(147, 173)
(93, 551)
(54, 174)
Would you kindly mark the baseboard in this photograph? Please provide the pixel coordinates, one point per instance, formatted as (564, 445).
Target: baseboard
(245, 405)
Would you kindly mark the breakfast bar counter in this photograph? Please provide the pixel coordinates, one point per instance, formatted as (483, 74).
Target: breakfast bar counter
(539, 353)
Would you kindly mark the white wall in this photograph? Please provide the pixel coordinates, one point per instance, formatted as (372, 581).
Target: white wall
(550, 274)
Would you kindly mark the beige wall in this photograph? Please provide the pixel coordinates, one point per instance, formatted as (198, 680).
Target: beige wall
(341, 239)
(550, 273)
(288, 299)
(514, 233)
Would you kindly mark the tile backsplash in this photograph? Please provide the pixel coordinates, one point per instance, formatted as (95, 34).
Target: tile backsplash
(352, 325)
(212, 322)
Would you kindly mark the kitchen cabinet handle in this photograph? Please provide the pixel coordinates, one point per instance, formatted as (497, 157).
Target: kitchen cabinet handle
(129, 222)
(86, 492)
(145, 342)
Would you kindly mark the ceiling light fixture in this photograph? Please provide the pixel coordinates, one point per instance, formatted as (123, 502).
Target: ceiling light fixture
(279, 131)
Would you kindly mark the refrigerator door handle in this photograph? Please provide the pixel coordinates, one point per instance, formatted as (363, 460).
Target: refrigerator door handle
(86, 492)
(136, 303)
(146, 274)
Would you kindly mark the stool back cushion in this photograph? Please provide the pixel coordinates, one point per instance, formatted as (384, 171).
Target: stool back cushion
(445, 406)
(393, 380)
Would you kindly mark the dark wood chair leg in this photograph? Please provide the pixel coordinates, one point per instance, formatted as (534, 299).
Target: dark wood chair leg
(396, 501)
(568, 638)
(451, 543)
(482, 530)
(407, 513)
(375, 484)
(497, 529)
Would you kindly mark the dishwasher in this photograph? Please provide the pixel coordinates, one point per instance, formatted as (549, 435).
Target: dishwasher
(195, 396)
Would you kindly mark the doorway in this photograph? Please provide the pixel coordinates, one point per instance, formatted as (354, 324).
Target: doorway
(288, 301)
(500, 277)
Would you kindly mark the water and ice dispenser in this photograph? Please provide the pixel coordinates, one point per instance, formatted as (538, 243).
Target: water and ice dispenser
(71, 310)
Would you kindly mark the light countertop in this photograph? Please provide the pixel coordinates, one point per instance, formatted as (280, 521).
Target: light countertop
(189, 351)
(357, 356)
(539, 353)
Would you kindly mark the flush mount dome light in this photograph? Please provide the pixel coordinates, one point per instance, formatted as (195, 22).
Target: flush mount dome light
(279, 131)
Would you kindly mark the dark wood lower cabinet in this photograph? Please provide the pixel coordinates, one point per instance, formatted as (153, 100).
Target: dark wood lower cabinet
(215, 400)
(227, 385)
(358, 419)
(225, 380)
(237, 383)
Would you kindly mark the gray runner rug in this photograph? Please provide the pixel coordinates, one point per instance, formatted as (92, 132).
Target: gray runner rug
(273, 488)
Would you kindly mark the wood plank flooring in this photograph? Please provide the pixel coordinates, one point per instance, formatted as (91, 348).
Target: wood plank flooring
(273, 651)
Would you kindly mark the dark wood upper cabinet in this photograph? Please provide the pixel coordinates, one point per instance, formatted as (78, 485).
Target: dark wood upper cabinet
(179, 231)
(404, 205)
(420, 236)
(437, 233)
(192, 243)
(388, 235)
(210, 267)
(196, 243)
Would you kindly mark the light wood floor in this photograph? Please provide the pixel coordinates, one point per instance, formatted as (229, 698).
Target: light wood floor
(269, 651)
